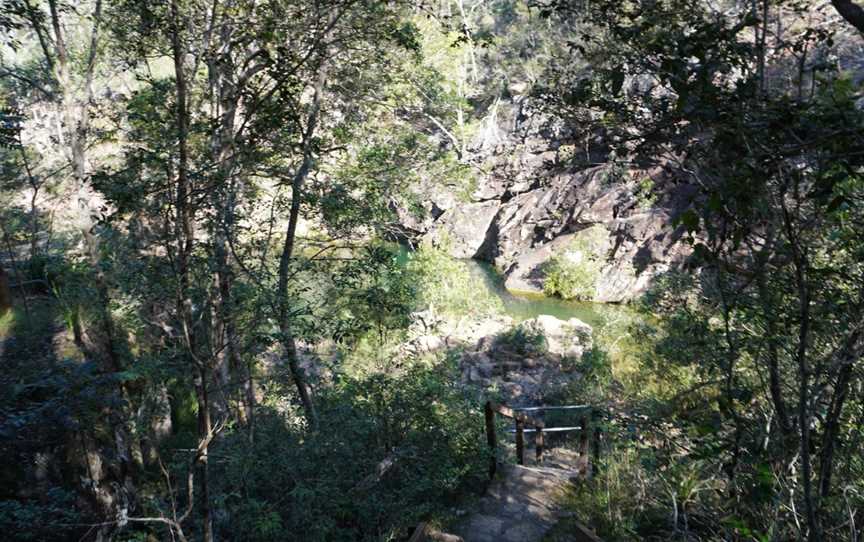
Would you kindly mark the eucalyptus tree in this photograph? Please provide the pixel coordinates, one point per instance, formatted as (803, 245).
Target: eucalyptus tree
(257, 98)
(776, 173)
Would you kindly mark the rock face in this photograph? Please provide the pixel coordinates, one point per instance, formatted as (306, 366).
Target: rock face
(463, 228)
(499, 354)
(541, 192)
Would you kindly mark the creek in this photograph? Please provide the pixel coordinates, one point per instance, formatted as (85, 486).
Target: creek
(525, 306)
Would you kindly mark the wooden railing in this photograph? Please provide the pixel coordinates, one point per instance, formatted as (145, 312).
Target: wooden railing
(538, 427)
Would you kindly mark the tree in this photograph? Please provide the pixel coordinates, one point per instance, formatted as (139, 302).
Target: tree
(850, 11)
(67, 85)
(777, 185)
(251, 109)
(5, 293)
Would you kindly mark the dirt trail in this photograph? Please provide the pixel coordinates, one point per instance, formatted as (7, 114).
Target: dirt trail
(521, 505)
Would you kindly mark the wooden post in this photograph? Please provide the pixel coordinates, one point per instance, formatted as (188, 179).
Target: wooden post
(490, 439)
(583, 446)
(538, 444)
(520, 444)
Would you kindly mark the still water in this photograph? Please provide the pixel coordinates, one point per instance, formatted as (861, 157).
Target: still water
(525, 306)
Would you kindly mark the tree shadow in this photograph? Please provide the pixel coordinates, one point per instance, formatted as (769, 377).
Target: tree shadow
(390, 451)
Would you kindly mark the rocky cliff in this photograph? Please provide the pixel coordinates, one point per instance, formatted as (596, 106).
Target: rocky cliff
(539, 196)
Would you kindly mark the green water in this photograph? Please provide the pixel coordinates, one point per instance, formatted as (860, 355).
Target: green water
(523, 307)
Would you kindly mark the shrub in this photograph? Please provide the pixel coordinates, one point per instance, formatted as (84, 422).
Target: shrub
(523, 340)
(45, 518)
(646, 192)
(447, 285)
(570, 280)
(573, 274)
(328, 484)
(639, 495)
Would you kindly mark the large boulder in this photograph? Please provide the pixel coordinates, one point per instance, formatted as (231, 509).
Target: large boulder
(462, 230)
(526, 361)
(565, 338)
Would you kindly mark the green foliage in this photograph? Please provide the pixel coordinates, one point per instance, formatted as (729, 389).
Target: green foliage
(613, 173)
(596, 367)
(573, 274)
(390, 163)
(48, 517)
(522, 340)
(639, 493)
(7, 323)
(372, 293)
(446, 285)
(568, 279)
(326, 484)
(645, 192)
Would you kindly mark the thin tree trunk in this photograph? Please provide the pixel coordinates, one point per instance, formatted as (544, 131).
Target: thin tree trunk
(184, 233)
(5, 293)
(204, 430)
(237, 377)
(732, 357)
(851, 351)
(762, 46)
(35, 185)
(803, 402)
(801, 281)
(17, 270)
(289, 342)
(775, 385)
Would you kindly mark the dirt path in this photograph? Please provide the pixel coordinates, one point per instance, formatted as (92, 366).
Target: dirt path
(521, 505)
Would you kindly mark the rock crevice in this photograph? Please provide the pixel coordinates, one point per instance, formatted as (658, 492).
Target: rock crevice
(535, 197)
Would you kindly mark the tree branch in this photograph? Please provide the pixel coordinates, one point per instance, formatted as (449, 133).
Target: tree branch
(852, 12)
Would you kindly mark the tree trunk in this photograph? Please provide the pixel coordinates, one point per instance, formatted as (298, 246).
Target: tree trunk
(763, 86)
(184, 237)
(236, 378)
(801, 356)
(226, 87)
(76, 118)
(35, 186)
(5, 293)
(852, 12)
(289, 342)
(204, 430)
(774, 385)
(851, 351)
